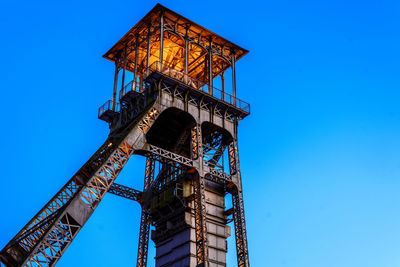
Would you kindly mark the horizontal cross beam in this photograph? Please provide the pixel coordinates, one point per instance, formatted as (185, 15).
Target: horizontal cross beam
(126, 192)
(215, 175)
(159, 152)
(220, 177)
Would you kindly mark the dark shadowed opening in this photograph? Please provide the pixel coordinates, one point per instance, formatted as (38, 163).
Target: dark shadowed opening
(171, 131)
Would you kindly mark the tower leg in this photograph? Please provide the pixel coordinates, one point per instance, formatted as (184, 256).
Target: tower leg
(143, 240)
(238, 208)
(144, 219)
(240, 229)
(200, 221)
(199, 202)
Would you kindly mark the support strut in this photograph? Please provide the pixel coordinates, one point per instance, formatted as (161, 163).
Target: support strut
(199, 202)
(240, 229)
(200, 221)
(238, 208)
(144, 219)
(45, 238)
(126, 192)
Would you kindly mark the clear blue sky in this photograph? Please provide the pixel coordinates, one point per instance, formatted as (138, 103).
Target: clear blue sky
(320, 153)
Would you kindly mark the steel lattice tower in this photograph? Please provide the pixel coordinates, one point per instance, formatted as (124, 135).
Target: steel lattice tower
(171, 114)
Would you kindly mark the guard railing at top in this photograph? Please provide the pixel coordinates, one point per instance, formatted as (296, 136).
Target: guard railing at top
(108, 106)
(234, 101)
(131, 86)
(177, 75)
(199, 85)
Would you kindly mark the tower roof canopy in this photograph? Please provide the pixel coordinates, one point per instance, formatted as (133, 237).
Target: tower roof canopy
(178, 26)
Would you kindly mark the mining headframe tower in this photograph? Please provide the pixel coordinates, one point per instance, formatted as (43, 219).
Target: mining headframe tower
(171, 113)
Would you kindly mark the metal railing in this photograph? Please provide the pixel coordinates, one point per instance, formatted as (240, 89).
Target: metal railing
(234, 101)
(131, 86)
(108, 106)
(196, 84)
(177, 75)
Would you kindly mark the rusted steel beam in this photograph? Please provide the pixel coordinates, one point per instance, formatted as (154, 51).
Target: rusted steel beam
(144, 219)
(44, 240)
(126, 192)
(238, 209)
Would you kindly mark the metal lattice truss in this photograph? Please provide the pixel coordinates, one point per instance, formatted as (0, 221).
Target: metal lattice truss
(169, 173)
(144, 218)
(234, 165)
(195, 135)
(215, 175)
(46, 237)
(148, 120)
(143, 239)
(240, 229)
(149, 172)
(103, 179)
(162, 153)
(220, 174)
(238, 209)
(126, 192)
(213, 150)
(212, 156)
(222, 178)
(43, 243)
(199, 206)
(19, 247)
(227, 183)
(200, 221)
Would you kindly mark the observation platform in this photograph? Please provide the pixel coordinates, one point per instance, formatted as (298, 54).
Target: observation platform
(130, 91)
(184, 84)
(198, 89)
(108, 111)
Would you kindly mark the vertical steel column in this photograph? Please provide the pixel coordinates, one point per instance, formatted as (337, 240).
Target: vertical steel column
(200, 221)
(232, 152)
(210, 69)
(234, 78)
(143, 239)
(186, 55)
(206, 70)
(123, 73)
(140, 83)
(115, 85)
(148, 50)
(238, 208)
(161, 37)
(144, 219)
(149, 173)
(195, 135)
(199, 202)
(223, 85)
(135, 70)
(240, 229)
